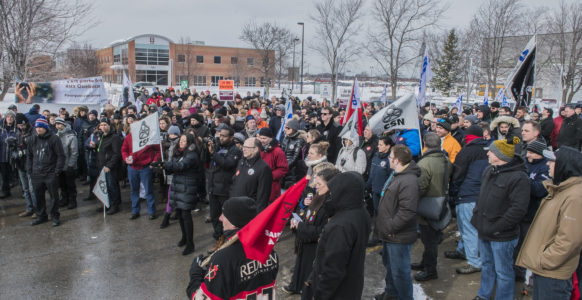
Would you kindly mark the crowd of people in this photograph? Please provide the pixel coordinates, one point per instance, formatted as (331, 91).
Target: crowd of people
(509, 179)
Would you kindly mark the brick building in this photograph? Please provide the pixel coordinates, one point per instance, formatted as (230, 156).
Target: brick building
(157, 59)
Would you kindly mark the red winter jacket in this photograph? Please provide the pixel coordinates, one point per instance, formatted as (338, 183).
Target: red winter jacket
(557, 126)
(277, 161)
(142, 158)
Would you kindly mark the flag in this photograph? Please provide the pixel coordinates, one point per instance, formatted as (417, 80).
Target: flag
(401, 114)
(145, 132)
(265, 92)
(459, 105)
(260, 235)
(504, 102)
(127, 84)
(500, 94)
(383, 97)
(355, 106)
(350, 126)
(520, 83)
(100, 189)
(425, 77)
(486, 95)
(288, 116)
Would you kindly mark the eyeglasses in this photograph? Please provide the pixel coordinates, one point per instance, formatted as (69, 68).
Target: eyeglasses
(325, 114)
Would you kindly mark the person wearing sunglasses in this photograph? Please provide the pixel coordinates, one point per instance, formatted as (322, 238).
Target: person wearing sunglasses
(330, 131)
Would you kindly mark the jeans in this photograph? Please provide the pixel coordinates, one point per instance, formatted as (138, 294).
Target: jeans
(396, 259)
(143, 176)
(550, 288)
(113, 191)
(430, 239)
(469, 236)
(497, 268)
(41, 185)
(27, 190)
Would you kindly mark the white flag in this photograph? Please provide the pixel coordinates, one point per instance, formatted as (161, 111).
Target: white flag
(127, 84)
(500, 95)
(288, 116)
(100, 189)
(425, 77)
(383, 97)
(145, 132)
(401, 114)
(459, 105)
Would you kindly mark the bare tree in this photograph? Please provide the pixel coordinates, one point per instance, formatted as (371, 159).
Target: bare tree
(493, 22)
(266, 39)
(31, 27)
(336, 23)
(82, 61)
(188, 66)
(566, 25)
(400, 28)
(282, 54)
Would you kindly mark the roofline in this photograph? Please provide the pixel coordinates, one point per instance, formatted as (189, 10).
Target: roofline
(124, 41)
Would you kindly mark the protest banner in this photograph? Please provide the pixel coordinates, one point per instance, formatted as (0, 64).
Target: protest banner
(87, 91)
(226, 90)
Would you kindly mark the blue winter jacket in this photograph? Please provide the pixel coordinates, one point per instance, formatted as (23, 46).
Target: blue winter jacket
(379, 172)
(537, 171)
(32, 115)
(410, 138)
(467, 170)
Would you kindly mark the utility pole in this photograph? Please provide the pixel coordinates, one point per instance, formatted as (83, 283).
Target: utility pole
(302, 45)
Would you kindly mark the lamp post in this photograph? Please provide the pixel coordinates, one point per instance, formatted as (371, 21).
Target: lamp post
(293, 69)
(302, 44)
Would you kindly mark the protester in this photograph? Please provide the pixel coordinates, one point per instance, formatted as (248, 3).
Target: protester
(45, 162)
(547, 125)
(449, 144)
(275, 158)
(551, 249)
(330, 131)
(380, 170)
(108, 158)
(570, 133)
(66, 183)
(369, 145)
(351, 157)
(502, 203)
(19, 156)
(343, 240)
(292, 144)
(396, 223)
(7, 130)
(505, 126)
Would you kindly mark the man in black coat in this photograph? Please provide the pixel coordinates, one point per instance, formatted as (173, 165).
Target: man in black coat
(338, 269)
(45, 162)
(571, 130)
(253, 177)
(223, 161)
(292, 144)
(330, 131)
(109, 158)
(502, 204)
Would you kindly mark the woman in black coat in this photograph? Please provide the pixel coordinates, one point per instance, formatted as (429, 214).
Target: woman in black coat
(313, 219)
(186, 169)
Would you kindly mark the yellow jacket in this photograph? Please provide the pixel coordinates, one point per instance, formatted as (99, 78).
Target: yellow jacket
(553, 243)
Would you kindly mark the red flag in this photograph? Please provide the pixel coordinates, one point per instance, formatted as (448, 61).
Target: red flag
(260, 235)
(355, 106)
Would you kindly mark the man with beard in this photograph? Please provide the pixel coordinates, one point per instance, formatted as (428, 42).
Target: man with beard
(503, 126)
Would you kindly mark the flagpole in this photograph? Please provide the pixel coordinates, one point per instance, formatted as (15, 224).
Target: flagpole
(104, 211)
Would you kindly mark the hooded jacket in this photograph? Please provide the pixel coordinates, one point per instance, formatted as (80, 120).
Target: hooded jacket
(70, 147)
(292, 145)
(468, 168)
(514, 127)
(396, 221)
(571, 132)
(503, 200)
(276, 160)
(486, 113)
(32, 115)
(553, 243)
(222, 167)
(23, 137)
(338, 269)
(451, 146)
(345, 160)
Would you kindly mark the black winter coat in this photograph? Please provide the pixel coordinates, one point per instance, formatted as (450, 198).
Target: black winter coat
(338, 270)
(46, 156)
(370, 148)
(109, 151)
(22, 138)
(547, 128)
(570, 132)
(222, 167)
(292, 146)
(253, 178)
(330, 134)
(468, 170)
(187, 179)
(503, 201)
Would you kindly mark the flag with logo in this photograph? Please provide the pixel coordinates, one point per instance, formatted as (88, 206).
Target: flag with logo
(425, 77)
(145, 132)
(519, 84)
(288, 116)
(260, 235)
(129, 85)
(401, 114)
(459, 105)
(355, 107)
(100, 189)
(486, 97)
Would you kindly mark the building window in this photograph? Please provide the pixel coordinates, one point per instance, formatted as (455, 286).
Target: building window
(152, 57)
(214, 79)
(234, 60)
(264, 82)
(250, 81)
(236, 80)
(181, 58)
(199, 59)
(157, 77)
(217, 59)
(200, 80)
(250, 61)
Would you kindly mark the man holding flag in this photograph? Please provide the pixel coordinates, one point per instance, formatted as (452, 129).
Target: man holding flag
(141, 148)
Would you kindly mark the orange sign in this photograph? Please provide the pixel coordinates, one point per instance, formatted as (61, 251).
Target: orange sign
(226, 85)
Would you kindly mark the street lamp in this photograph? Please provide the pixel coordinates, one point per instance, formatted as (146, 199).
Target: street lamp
(302, 44)
(293, 69)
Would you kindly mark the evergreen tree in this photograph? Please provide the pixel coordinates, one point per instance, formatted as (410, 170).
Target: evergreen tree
(446, 71)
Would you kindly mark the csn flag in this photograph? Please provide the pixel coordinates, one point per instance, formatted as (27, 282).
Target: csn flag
(100, 189)
(145, 132)
(520, 83)
(401, 114)
(260, 235)
(127, 84)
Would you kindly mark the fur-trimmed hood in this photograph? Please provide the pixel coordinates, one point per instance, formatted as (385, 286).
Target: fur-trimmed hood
(504, 119)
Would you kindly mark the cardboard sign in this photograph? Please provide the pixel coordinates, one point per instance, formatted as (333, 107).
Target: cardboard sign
(226, 85)
(226, 90)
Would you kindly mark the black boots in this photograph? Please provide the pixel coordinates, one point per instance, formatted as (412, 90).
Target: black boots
(187, 228)
(165, 221)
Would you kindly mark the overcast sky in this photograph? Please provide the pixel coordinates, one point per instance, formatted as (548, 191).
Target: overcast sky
(219, 22)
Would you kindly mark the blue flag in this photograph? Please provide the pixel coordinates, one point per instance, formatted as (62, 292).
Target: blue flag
(425, 77)
(288, 116)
